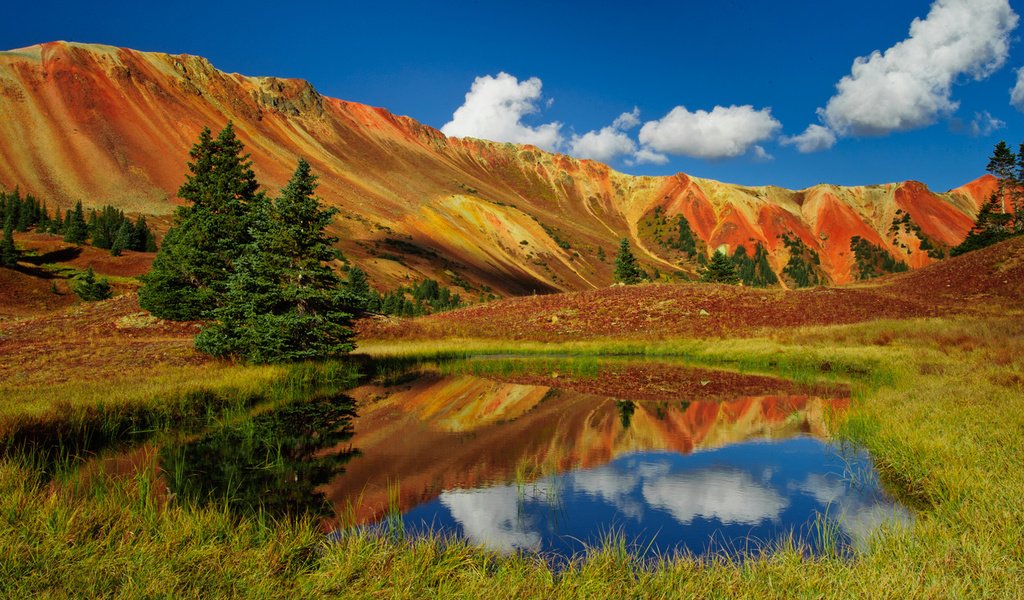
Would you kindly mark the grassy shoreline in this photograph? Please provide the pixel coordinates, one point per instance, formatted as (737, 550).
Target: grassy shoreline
(940, 407)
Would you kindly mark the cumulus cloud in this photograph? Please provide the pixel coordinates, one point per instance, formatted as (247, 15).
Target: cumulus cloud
(491, 517)
(627, 121)
(985, 124)
(608, 142)
(494, 110)
(603, 145)
(1017, 93)
(646, 156)
(725, 132)
(814, 139)
(910, 84)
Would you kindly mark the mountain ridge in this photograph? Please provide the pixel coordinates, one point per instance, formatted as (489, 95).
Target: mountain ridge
(110, 125)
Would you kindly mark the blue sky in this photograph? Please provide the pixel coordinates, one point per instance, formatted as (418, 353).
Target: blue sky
(929, 107)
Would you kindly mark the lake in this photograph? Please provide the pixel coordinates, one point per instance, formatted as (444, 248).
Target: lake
(550, 456)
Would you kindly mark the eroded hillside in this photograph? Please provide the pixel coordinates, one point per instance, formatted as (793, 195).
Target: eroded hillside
(113, 126)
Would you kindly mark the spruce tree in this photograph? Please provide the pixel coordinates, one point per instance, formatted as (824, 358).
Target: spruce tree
(1003, 164)
(358, 287)
(720, 270)
(283, 302)
(8, 252)
(76, 230)
(626, 268)
(190, 273)
(123, 240)
(90, 289)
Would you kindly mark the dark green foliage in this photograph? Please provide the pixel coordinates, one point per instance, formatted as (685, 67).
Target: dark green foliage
(90, 289)
(873, 261)
(803, 265)
(8, 253)
(358, 286)
(57, 223)
(993, 223)
(679, 236)
(282, 302)
(720, 270)
(626, 268)
(424, 297)
(24, 212)
(991, 227)
(600, 254)
(124, 238)
(104, 226)
(906, 222)
(76, 230)
(684, 242)
(754, 270)
(190, 273)
(275, 463)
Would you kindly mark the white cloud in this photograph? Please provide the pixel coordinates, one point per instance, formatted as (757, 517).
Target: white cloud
(985, 124)
(609, 142)
(762, 155)
(814, 139)
(646, 156)
(715, 493)
(909, 85)
(603, 145)
(1017, 93)
(494, 110)
(491, 517)
(627, 121)
(725, 132)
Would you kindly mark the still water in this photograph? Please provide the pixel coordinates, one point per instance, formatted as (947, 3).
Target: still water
(552, 458)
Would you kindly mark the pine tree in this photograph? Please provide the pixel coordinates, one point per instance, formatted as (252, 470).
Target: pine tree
(626, 269)
(57, 224)
(720, 270)
(190, 273)
(76, 230)
(8, 252)
(123, 240)
(283, 302)
(358, 287)
(90, 289)
(1003, 164)
(142, 238)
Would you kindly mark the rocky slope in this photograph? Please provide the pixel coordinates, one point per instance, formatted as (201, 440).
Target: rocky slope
(112, 125)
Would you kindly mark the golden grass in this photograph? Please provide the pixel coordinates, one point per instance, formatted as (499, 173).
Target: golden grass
(940, 406)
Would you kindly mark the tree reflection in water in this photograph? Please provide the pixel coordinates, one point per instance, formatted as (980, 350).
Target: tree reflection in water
(272, 462)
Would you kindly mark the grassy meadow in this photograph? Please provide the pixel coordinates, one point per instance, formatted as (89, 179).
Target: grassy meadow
(938, 402)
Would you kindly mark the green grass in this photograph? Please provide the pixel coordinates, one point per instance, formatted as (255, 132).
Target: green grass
(940, 406)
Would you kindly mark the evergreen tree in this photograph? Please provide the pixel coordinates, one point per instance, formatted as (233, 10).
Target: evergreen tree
(143, 239)
(76, 230)
(123, 240)
(283, 302)
(1003, 164)
(8, 253)
(626, 269)
(57, 224)
(720, 270)
(358, 287)
(190, 273)
(90, 289)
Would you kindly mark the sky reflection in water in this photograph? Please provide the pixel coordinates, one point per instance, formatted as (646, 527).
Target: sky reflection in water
(733, 499)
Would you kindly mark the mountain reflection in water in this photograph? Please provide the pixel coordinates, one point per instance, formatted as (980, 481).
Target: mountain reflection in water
(516, 466)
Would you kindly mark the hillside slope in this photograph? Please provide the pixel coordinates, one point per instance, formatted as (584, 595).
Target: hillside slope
(111, 125)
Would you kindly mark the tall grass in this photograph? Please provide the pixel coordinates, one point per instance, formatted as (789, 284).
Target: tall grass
(940, 408)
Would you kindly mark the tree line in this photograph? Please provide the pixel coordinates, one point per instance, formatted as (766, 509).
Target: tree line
(107, 228)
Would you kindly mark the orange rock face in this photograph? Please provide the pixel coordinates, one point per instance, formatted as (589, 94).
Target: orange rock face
(110, 125)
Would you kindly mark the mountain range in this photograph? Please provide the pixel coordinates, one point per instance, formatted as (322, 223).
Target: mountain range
(106, 125)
